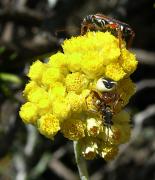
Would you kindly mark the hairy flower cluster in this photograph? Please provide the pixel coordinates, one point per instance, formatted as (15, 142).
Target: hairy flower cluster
(58, 95)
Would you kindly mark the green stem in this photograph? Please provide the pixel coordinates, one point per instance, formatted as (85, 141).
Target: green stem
(10, 78)
(81, 163)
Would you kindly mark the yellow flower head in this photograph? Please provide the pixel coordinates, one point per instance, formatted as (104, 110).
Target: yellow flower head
(30, 86)
(36, 94)
(29, 113)
(76, 82)
(51, 75)
(76, 102)
(73, 62)
(88, 147)
(114, 71)
(60, 94)
(73, 129)
(94, 126)
(57, 60)
(108, 152)
(57, 91)
(36, 71)
(48, 125)
(129, 67)
(126, 88)
(61, 109)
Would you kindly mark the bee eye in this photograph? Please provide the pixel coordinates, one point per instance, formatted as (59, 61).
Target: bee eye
(105, 85)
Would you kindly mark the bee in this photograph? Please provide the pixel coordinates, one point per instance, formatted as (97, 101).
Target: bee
(106, 101)
(100, 22)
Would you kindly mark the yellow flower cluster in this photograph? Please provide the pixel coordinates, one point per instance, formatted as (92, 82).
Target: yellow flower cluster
(59, 95)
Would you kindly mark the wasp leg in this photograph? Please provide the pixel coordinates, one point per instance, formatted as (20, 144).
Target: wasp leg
(86, 27)
(130, 40)
(119, 33)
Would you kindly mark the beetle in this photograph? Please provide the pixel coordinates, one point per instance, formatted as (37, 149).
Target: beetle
(100, 22)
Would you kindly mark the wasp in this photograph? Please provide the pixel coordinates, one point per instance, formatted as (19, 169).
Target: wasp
(100, 22)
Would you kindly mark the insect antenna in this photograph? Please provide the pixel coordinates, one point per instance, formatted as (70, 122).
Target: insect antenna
(71, 30)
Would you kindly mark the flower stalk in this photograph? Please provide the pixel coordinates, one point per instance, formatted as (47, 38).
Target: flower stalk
(80, 161)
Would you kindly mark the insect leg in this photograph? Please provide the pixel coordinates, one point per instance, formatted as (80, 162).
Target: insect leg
(115, 103)
(130, 40)
(108, 128)
(94, 101)
(85, 27)
(96, 95)
(119, 33)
